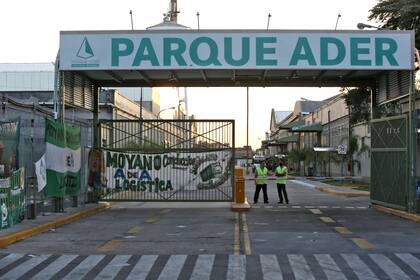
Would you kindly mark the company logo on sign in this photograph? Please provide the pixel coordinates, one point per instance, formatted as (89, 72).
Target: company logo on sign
(85, 51)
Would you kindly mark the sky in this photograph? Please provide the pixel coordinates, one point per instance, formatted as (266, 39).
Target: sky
(29, 32)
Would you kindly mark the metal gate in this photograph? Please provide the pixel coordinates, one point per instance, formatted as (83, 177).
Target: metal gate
(389, 162)
(167, 160)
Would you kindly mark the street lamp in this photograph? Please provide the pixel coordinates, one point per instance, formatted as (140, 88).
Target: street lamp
(170, 108)
(362, 26)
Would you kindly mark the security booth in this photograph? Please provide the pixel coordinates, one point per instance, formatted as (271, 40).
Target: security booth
(89, 60)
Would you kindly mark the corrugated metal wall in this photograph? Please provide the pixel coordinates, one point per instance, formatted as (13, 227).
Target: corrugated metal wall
(78, 90)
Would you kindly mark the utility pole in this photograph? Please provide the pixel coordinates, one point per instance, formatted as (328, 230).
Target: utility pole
(268, 20)
(247, 130)
(131, 16)
(198, 20)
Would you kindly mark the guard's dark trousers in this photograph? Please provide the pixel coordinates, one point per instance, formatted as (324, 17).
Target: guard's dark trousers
(281, 188)
(257, 192)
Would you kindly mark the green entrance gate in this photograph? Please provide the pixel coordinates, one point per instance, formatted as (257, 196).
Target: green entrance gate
(389, 152)
(166, 160)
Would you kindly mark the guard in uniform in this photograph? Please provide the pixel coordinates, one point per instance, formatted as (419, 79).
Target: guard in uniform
(261, 173)
(281, 173)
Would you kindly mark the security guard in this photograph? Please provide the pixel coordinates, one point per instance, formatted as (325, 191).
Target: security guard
(261, 173)
(281, 173)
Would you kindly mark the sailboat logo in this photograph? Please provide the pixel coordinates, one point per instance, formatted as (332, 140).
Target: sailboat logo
(85, 50)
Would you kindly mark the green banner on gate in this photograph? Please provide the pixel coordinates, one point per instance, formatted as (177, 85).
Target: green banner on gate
(12, 199)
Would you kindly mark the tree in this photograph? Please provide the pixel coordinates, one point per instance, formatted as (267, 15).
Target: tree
(358, 100)
(398, 14)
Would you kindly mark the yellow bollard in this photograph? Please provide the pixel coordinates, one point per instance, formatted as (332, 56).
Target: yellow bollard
(240, 202)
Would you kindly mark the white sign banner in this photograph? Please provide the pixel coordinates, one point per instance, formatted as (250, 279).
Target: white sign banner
(311, 50)
(41, 173)
(155, 173)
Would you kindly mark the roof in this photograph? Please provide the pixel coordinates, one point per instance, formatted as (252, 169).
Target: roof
(292, 124)
(281, 115)
(27, 67)
(307, 106)
(167, 25)
(313, 127)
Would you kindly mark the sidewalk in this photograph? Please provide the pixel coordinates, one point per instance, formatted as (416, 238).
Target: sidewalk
(336, 190)
(42, 223)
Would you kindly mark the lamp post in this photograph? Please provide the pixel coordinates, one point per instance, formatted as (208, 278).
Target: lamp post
(170, 108)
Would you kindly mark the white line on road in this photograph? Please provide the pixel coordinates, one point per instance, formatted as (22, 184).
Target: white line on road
(203, 267)
(142, 268)
(84, 267)
(331, 269)
(270, 267)
(112, 269)
(54, 267)
(300, 268)
(362, 271)
(9, 259)
(412, 261)
(24, 267)
(173, 267)
(236, 268)
(389, 267)
(302, 183)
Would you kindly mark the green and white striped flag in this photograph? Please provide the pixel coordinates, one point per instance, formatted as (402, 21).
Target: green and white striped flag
(63, 159)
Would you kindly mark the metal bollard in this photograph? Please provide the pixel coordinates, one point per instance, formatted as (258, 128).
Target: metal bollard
(74, 201)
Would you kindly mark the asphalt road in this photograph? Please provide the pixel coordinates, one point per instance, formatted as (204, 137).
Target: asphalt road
(316, 236)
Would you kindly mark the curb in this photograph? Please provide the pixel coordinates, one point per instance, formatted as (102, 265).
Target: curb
(26, 233)
(399, 213)
(348, 194)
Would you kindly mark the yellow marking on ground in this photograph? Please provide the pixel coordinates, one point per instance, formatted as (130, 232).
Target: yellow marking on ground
(153, 219)
(109, 246)
(327, 220)
(166, 211)
(316, 211)
(136, 229)
(247, 240)
(343, 230)
(236, 239)
(362, 243)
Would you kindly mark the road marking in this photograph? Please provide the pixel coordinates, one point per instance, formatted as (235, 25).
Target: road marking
(153, 219)
(24, 267)
(135, 229)
(247, 241)
(361, 270)
(330, 267)
(327, 220)
(110, 245)
(173, 267)
(203, 267)
(349, 207)
(336, 207)
(84, 267)
(389, 267)
(256, 206)
(165, 211)
(270, 267)
(362, 243)
(283, 207)
(112, 269)
(300, 268)
(361, 207)
(316, 211)
(236, 268)
(411, 261)
(54, 267)
(309, 207)
(343, 230)
(268, 206)
(296, 207)
(9, 259)
(322, 207)
(142, 268)
(236, 237)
